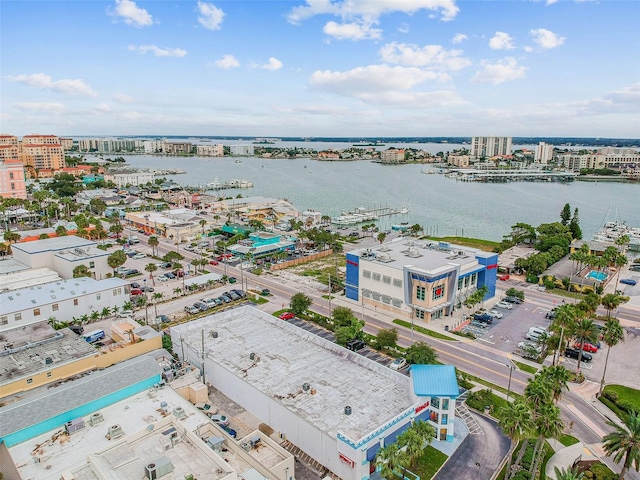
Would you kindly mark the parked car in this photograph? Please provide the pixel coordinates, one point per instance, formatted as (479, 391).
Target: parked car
(132, 271)
(240, 293)
(162, 319)
(147, 289)
(515, 300)
(221, 420)
(209, 301)
(628, 281)
(233, 295)
(287, 316)
(207, 408)
(550, 315)
(226, 298)
(527, 346)
(398, 364)
(170, 275)
(213, 262)
(179, 273)
(124, 314)
(505, 305)
(232, 279)
(136, 291)
(587, 347)
(203, 307)
(163, 277)
(135, 285)
(140, 255)
(191, 309)
(483, 318)
(355, 345)
(77, 329)
(495, 314)
(504, 277)
(266, 292)
(166, 265)
(230, 431)
(574, 352)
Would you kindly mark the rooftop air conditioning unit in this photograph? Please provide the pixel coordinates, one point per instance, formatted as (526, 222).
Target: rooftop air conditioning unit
(74, 425)
(114, 431)
(96, 418)
(306, 387)
(158, 468)
(179, 413)
(245, 446)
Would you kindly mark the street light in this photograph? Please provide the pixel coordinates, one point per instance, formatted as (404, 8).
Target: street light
(511, 369)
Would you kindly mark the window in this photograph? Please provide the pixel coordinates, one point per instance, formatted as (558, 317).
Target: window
(11, 175)
(396, 302)
(54, 307)
(435, 402)
(115, 292)
(386, 279)
(445, 404)
(460, 284)
(366, 274)
(75, 302)
(421, 293)
(29, 381)
(420, 313)
(376, 277)
(13, 186)
(466, 281)
(48, 374)
(444, 419)
(386, 299)
(375, 296)
(97, 296)
(438, 292)
(366, 293)
(17, 316)
(92, 264)
(36, 312)
(397, 282)
(4, 320)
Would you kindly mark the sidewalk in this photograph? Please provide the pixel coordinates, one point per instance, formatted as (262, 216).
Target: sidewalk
(588, 390)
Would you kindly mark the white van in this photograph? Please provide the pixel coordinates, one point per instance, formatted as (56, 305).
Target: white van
(535, 333)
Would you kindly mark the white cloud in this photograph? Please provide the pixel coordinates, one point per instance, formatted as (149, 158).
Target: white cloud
(210, 16)
(428, 56)
(157, 51)
(351, 31)
(502, 71)
(550, 2)
(373, 79)
(273, 64)
(103, 107)
(404, 28)
(546, 38)
(41, 106)
(227, 61)
(123, 98)
(459, 38)
(132, 14)
(42, 81)
(370, 11)
(501, 41)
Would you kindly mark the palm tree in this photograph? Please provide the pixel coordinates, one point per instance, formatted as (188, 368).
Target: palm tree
(548, 425)
(556, 378)
(157, 296)
(106, 311)
(153, 243)
(95, 316)
(426, 431)
(569, 474)
(566, 316)
(612, 334)
(151, 267)
(177, 291)
(537, 393)
(412, 443)
(516, 423)
(585, 331)
(389, 458)
(624, 443)
(202, 223)
(611, 301)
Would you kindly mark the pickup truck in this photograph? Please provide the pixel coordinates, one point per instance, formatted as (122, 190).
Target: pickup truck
(133, 239)
(483, 318)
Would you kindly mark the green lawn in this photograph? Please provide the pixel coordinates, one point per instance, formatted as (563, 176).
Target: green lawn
(484, 398)
(423, 330)
(260, 300)
(492, 386)
(626, 394)
(429, 463)
(525, 367)
(568, 440)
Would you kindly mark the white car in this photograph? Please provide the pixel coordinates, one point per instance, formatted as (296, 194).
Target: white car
(162, 278)
(530, 346)
(398, 364)
(495, 314)
(505, 305)
(140, 255)
(125, 314)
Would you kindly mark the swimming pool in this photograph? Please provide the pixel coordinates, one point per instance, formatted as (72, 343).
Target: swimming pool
(599, 276)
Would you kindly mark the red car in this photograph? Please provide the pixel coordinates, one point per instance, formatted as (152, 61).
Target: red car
(587, 347)
(213, 262)
(136, 291)
(287, 316)
(504, 277)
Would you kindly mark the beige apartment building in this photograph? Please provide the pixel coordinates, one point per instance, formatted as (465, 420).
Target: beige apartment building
(490, 146)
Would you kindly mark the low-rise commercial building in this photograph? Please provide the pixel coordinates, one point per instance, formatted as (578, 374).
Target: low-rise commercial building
(178, 224)
(262, 244)
(126, 179)
(335, 405)
(418, 279)
(63, 254)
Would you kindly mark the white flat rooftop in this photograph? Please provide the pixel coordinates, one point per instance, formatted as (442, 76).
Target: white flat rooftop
(401, 252)
(53, 244)
(290, 357)
(29, 278)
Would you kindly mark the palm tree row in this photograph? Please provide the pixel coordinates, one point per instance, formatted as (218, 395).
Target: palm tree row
(535, 414)
(405, 451)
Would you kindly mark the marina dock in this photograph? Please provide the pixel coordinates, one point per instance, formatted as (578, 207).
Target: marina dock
(361, 215)
(472, 175)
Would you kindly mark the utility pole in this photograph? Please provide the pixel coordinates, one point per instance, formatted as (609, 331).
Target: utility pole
(330, 295)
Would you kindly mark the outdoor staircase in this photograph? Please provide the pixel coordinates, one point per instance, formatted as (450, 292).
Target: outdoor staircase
(463, 412)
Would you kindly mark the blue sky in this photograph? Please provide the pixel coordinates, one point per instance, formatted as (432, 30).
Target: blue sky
(321, 68)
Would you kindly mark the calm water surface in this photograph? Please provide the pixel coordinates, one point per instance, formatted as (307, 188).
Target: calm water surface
(441, 205)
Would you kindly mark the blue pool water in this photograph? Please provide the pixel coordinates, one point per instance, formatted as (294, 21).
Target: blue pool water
(599, 276)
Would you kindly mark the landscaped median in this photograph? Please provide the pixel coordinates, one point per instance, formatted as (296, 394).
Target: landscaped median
(425, 331)
(621, 400)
